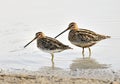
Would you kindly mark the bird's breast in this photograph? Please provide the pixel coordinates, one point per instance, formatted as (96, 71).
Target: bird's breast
(72, 36)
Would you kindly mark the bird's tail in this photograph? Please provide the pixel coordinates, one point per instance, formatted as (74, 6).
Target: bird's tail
(67, 47)
(104, 37)
(107, 37)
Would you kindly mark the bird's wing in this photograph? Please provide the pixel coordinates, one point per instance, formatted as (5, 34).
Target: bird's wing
(96, 36)
(87, 35)
(52, 44)
(87, 31)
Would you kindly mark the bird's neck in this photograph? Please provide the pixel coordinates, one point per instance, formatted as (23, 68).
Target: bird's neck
(75, 28)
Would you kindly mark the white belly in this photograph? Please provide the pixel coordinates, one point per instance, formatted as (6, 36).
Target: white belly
(51, 51)
(83, 44)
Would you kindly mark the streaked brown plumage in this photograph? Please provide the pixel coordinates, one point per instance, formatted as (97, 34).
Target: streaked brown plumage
(82, 37)
(48, 44)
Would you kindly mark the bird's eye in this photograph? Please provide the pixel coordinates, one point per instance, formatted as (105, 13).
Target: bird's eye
(71, 25)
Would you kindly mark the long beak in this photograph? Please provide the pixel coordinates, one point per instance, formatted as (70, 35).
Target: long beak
(30, 42)
(61, 33)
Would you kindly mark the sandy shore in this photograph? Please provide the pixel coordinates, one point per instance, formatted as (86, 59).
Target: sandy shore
(59, 76)
(31, 79)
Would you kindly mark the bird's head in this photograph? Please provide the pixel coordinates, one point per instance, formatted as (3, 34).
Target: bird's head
(71, 26)
(38, 35)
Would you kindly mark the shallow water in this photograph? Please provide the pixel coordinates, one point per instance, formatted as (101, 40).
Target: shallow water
(14, 56)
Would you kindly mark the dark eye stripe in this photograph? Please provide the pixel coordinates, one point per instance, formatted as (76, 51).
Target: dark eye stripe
(71, 25)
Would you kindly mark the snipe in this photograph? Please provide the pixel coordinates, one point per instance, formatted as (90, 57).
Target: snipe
(48, 44)
(82, 37)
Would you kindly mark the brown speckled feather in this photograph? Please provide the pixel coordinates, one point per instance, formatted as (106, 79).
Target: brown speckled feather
(49, 43)
(84, 35)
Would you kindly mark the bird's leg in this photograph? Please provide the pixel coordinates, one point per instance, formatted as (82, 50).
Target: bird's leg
(52, 60)
(83, 53)
(53, 64)
(89, 52)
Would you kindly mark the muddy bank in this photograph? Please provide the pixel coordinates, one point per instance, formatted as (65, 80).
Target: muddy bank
(31, 79)
(59, 76)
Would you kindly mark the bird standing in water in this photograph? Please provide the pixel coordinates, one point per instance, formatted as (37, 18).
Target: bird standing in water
(82, 37)
(48, 44)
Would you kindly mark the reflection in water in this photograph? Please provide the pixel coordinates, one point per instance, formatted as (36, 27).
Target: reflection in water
(51, 68)
(87, 63)
(53, 64)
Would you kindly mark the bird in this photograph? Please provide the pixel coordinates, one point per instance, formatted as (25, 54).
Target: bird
(48, 44)
(83, 38)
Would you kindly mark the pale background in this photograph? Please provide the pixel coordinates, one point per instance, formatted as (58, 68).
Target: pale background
(21, 19)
